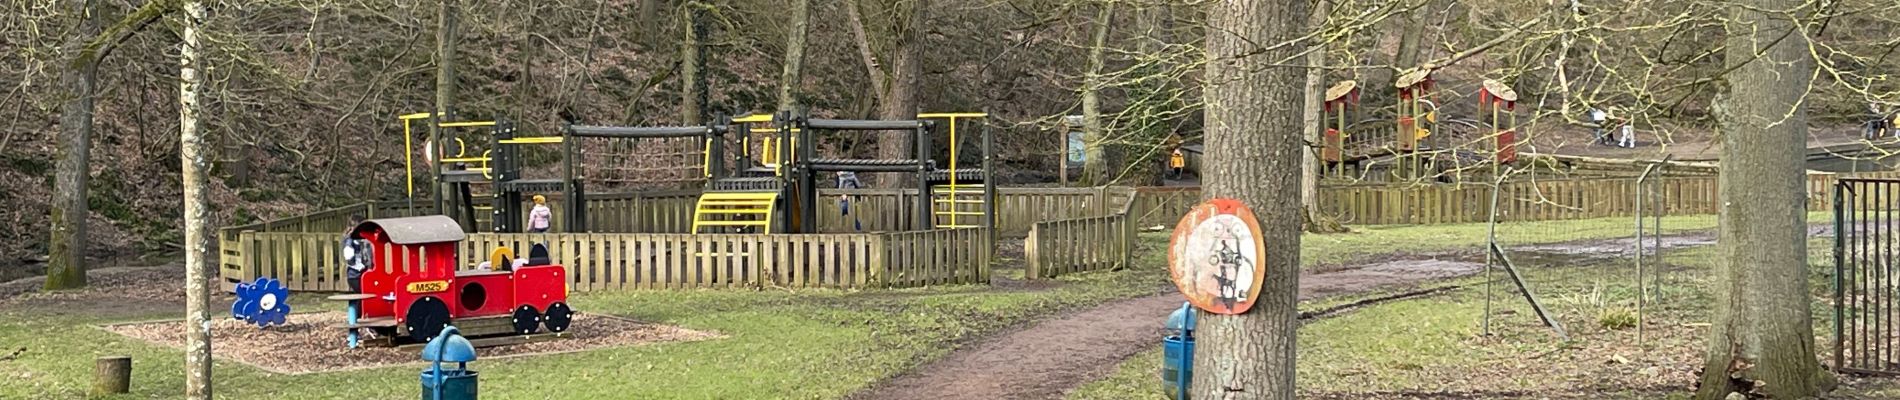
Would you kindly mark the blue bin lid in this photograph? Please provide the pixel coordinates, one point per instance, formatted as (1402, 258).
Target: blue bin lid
(449, 346)
(1183, 319)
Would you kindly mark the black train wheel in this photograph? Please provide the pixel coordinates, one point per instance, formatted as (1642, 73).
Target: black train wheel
(527, 320)
(558, 317)
(426, 318)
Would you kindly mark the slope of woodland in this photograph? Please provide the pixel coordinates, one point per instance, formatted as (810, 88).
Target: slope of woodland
(301, 96)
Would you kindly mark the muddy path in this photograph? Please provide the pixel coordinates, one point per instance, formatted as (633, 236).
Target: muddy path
(1045, 359)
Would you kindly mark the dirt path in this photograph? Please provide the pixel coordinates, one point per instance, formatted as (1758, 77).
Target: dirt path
(1047, 358)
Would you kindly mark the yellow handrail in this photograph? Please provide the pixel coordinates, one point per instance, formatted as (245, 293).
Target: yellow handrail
(464, 124)
(753, 119)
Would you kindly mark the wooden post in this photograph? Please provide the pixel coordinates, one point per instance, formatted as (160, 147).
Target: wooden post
(112, 374)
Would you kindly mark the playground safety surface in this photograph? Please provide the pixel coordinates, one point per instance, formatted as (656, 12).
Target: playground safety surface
(307, 344)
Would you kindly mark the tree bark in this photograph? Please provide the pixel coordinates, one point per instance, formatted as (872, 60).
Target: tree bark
(445, 41)
(194, 165)
(872, 69)
(906, 70)
(1313, 120)
(1409, 36)
(66, 258)
(1762, 339)
(794, 55)
(1253, 151)
(692, 63)
(1095, 167)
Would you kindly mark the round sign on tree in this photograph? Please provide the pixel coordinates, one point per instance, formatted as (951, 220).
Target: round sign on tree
(1216, 257)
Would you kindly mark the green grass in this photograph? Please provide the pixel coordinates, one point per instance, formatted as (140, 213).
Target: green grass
(1419, 344)
(778, 343)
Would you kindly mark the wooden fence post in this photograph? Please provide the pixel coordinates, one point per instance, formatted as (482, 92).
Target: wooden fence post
(1032, 256)
(112, 374)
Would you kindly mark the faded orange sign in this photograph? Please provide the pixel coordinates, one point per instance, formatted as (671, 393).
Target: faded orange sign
(1216, 257)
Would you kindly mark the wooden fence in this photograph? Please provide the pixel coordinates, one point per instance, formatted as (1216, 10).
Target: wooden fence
(623, 261)
(1071, 245)
(1470, 203)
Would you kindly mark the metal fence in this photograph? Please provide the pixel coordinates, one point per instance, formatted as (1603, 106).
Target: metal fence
(1866, 330)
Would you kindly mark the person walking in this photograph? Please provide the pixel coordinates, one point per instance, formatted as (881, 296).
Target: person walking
(1877, 122)
(1598, 119)
(1628, 137)
(540, 218)
(1176, 163)
(357, 255)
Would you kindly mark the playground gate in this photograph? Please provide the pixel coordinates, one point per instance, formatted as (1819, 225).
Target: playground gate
(1866, 305)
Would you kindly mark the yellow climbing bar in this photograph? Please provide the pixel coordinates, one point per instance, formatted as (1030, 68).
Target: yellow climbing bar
(466, 159)
(419, 115)
(533, 140)
(716, 209)
(464, 124)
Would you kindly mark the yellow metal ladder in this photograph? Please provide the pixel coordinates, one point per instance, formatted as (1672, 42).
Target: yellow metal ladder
(734, 209)
(957, 206)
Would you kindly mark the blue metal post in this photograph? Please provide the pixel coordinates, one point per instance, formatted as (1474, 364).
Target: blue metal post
(352, 322)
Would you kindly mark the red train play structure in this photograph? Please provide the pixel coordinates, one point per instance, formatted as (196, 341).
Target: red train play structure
(412, 288)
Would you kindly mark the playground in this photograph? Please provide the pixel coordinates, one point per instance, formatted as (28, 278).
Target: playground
(997, 201)
(833, 342)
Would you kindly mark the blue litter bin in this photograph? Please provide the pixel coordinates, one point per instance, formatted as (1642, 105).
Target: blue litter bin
(456, 383)
(1177, 353)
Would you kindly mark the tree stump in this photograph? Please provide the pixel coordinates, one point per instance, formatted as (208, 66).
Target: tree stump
(112, 374)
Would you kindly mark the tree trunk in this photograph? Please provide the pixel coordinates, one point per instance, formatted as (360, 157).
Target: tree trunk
(1410, 34)
(692, 62)
(1095, 167)
(445, 40)
(906, 68)
(1253, 151)
(1762, 339)
(794, 55)
(1314, 121)
(194, 164)
(66, 261)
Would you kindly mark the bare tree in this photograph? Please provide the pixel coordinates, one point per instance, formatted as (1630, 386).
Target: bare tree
(692, 63)
(794, 54)
(1253, 103)
(66, 266)
(1762, 341)
(1312, 121)
(446, 36)
(195, 162)
(1095, 166)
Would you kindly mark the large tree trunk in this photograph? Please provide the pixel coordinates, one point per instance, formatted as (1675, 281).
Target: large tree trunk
(445, 40)
(1095, 167)
(195, 163)
(906, 70)
(1313, 121)
(692, 63)
(794, 55)
(1253, 151)
(1762, 339)
(66, 264)
(1410, 34)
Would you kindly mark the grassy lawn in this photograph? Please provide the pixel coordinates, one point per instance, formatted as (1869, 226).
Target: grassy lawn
(1435, 344)
(778, 344)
